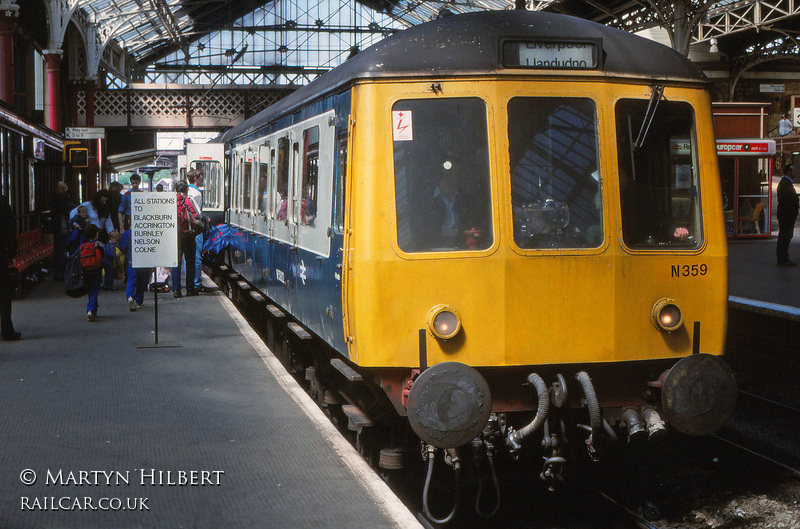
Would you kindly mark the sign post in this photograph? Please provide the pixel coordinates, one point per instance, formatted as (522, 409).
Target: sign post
(154, 238)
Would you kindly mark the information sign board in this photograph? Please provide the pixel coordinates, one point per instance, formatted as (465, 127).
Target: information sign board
(154, 229)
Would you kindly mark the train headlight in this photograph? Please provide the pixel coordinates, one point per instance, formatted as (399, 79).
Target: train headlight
(443, 321)
(666, 315)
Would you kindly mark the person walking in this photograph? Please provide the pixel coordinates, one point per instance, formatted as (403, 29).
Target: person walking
(788, 204)
(8, 249)
(59, 216)
(91, 257)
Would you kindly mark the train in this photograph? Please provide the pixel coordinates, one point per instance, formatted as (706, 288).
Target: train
(498, 233)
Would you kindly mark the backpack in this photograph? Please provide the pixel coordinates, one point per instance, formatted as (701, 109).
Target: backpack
(91, 258)
(74, 285)
(188, 220)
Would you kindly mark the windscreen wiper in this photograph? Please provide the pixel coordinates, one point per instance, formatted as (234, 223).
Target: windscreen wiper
(657, 92)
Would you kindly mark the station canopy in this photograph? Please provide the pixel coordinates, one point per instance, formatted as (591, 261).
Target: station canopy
(292, 41)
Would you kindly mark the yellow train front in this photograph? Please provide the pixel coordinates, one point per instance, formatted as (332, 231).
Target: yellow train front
(504, 228)
(534, 226)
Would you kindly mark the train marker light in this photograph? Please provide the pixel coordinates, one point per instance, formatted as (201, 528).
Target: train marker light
(666, 315)
(443, 321)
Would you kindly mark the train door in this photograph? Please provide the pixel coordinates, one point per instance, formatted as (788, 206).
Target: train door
(209, 158)
(312, 205)
(280, 231)
(181, 167)
(262, 198)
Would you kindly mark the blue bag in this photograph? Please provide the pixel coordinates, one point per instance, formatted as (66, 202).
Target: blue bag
(219, 238)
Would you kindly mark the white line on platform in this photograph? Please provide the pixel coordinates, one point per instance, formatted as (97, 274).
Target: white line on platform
(794, 311)
(378, 490)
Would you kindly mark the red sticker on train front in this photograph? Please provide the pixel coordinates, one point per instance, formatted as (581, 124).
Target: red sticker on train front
(401, 123)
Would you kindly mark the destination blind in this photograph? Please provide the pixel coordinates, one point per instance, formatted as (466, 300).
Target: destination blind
(552, 54)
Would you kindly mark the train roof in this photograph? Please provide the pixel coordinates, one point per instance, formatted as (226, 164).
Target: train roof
(471, 43)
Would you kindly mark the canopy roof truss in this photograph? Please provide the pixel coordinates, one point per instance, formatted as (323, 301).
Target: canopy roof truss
(291, 41)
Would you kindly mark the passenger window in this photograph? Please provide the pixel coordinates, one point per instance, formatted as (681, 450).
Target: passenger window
(556, 192)
(282, 188)
(659, 190)
(247, 180)
(263, 175)
(441, 175)
(308, 202)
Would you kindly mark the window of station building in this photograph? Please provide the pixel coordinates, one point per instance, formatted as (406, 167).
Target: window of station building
(556, 192)
(308, 200)
(659, 190)
(282, 183)
(441, 175)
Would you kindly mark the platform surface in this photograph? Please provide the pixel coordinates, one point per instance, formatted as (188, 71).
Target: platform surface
(755, 277)
(100, 433)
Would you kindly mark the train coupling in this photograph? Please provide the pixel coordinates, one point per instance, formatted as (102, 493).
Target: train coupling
(553, 471)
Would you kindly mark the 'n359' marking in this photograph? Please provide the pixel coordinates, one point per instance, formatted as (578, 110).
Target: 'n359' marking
(689, 270)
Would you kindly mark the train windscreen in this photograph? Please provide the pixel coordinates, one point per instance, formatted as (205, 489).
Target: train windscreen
(441, 175)
(659, 190)
(556, 190)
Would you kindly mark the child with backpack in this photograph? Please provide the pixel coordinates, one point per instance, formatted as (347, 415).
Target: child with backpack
(91, 257)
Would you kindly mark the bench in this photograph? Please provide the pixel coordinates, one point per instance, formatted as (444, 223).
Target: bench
(31, 250)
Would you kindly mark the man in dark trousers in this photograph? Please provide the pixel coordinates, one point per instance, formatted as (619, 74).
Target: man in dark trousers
(59, 215)
(787, 215)
(8, 249)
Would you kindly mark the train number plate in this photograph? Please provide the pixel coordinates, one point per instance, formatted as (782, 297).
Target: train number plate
(689, 270)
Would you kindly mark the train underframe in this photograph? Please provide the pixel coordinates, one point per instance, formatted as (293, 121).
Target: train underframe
(550, 416)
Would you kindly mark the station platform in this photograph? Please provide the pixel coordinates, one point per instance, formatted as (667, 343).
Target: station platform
(101, 428)
(755, 279)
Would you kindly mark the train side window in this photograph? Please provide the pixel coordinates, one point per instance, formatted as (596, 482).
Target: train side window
(659, 189)
(295, 213)
(556, 192)
(263, 181)
(341, 181)
(247, 180)
(441, 175)
(310, 173)
(272, 213)
(282, 187)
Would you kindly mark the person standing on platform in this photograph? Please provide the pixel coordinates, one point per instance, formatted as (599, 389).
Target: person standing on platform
(186, 238)
(788, 204)
(114, 202)
(785, 126)
(195, 177)
(137, 277)
(59, 215)
(124, 210)
(8, 249)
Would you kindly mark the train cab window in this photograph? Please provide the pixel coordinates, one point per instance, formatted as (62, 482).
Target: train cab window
(441, 175)
(555, 179)
(308, 207)
(659, 190)
(282, 187)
